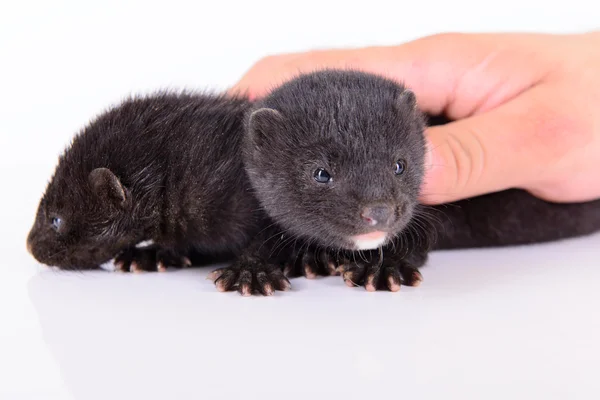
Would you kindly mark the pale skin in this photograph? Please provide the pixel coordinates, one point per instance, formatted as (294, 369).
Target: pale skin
(526, 108)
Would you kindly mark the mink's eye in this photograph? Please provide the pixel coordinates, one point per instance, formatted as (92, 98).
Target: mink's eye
(322, 176)
(56, 223)
(399, 167)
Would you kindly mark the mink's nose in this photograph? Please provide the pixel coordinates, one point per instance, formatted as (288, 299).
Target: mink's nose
(377, 215)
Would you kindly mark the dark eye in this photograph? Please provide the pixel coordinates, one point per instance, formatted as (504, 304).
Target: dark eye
(56, 223)
(322, 176)
(400, 167)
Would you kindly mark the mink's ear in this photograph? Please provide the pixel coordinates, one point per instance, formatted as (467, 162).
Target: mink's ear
(107, 186)
(407, 100)
(263, 123)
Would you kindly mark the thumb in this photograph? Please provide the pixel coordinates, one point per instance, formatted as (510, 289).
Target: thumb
(503, 148)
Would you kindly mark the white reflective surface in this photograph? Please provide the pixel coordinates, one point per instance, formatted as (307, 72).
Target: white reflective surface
(488, 324)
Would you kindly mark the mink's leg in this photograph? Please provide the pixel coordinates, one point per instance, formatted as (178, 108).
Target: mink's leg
(310, 263)
(393, 269)
(250, 274)
(395, 264)
(256, 270)
(150, 258)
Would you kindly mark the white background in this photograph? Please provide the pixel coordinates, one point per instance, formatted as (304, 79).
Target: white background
(511, 323)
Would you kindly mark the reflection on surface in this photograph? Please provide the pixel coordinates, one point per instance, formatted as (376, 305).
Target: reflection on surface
(504, 319)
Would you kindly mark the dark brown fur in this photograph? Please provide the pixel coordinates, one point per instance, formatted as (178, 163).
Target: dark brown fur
(164, 167)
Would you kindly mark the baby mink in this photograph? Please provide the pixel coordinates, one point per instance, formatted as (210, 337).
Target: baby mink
(336, 159)
(162, 172)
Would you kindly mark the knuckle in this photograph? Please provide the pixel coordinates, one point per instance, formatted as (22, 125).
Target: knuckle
(468, 155)
(557, 134)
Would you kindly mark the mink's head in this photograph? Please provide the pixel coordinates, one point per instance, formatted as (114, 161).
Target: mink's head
(85, 215)
(337, 157)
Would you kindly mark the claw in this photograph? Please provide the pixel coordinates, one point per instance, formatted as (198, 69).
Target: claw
(392, 284)
(417, 278)
(286, 285)
(370, 285)
(135, 267)
(287, 269)
(310, 274)
(245, 290)
(120, 266)
(332, 269)
(348, 279)
(268, 289)
(214, 275)
(220, 286)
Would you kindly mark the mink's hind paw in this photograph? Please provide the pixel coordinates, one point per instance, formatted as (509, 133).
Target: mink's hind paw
(312, 263)
(374, 275)
(249, 276)
(149, 259)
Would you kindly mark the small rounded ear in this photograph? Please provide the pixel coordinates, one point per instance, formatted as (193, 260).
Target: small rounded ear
(107, 186)
(407, 100)
(263, 123)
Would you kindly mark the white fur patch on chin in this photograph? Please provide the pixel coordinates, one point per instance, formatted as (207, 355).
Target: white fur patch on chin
(369, 244)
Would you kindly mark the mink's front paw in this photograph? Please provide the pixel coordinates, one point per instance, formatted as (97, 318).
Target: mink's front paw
(250, 275)
(312, 263)
(375, 275)
(151, 259)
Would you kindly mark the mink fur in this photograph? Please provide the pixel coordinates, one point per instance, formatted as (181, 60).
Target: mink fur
(286, 184)
(164, 167)
(355, 126)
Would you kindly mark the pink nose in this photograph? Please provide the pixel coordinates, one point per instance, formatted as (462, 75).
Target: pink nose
(377, 215)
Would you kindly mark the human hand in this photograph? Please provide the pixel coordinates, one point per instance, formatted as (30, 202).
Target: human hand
(526, 108)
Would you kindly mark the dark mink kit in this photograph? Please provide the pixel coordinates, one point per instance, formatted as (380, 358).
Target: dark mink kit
(155, 181)
(336, 159)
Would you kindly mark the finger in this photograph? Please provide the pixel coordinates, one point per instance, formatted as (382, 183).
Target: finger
(456, 74)
(510, 146)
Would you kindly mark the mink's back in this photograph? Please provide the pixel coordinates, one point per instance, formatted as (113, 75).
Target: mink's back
(512, 217)
(179, 155)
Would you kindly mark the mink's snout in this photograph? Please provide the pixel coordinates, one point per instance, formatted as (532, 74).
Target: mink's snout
(33, 242)
(378, 215)
(36, 248)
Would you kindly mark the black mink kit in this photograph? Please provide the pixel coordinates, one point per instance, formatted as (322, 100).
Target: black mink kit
(164, 169)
